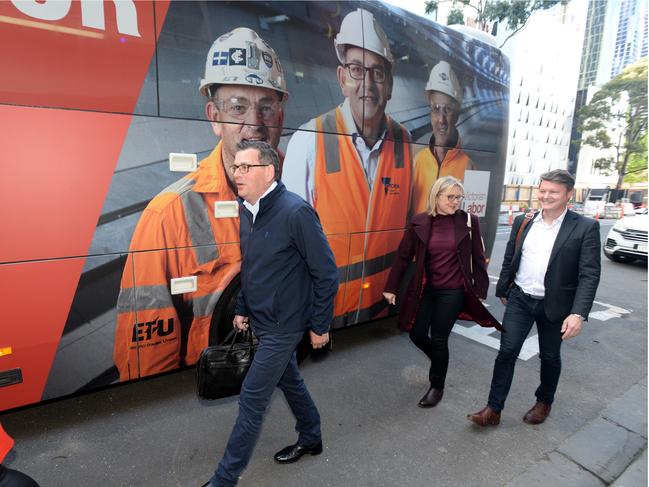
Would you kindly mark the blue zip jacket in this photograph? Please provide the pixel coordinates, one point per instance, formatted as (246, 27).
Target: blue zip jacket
(289, 277)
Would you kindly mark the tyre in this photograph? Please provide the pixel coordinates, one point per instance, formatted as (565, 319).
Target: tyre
(221, 324)
(617, 258)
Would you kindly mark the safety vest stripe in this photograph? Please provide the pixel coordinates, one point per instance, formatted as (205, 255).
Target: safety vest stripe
(142, 298)
(397, 135)
(198, 224)
(373, 266)
(158, 297)
(330, 137)
(179, 187)
(364, 314)
(204, 305)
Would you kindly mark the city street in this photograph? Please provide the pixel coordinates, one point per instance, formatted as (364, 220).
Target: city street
(157, 433)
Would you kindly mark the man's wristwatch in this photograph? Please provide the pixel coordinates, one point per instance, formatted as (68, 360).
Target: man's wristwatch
(578, 316)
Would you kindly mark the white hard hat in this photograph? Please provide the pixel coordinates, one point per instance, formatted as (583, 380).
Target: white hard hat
(241, 57)
(443, 79)
(359, 28)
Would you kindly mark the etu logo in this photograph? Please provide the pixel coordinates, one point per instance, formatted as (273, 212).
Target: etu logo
(146, 331)
(92, 13)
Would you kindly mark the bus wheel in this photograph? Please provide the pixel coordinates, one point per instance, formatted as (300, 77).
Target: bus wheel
(221, 325)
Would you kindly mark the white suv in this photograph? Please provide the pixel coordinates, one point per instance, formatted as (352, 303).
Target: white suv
(627, 239)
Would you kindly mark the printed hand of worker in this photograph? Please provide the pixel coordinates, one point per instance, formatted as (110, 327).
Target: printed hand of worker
(318, 341)
(390, 298)
(240, 323)
(571, 327)
(504, 301)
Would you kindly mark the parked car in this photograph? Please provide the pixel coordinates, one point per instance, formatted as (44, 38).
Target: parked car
(627, 239)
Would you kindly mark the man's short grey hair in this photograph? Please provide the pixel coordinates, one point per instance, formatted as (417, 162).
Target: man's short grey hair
(267, 155)
(560, 176)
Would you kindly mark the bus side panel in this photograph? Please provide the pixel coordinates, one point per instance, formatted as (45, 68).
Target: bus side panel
(35, 304)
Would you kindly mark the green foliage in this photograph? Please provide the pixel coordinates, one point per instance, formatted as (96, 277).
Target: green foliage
(430, 6)
(616, 118)
(455, 17)
(637, 167)
(515, 12)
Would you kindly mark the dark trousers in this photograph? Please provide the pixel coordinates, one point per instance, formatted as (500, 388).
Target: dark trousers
(14, 478)
(521, 312)
(438, 310)
(274, 365)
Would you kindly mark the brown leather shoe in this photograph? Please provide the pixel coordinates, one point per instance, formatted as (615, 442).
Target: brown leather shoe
(431, 398)
(485, 417)
(538, 413)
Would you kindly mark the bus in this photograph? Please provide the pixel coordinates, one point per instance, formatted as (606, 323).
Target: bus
(119, 253)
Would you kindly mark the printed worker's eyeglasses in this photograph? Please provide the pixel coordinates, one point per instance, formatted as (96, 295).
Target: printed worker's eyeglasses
(451, 197)
(357, 72)
(445, 109)
(244, 168)
(237, 108)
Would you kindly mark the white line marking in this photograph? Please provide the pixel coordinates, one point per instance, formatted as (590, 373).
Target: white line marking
(482, 335)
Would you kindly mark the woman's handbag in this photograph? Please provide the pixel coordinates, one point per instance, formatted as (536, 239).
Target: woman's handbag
(220, 369)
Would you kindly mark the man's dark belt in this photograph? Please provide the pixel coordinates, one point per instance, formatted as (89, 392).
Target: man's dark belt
(531, 296)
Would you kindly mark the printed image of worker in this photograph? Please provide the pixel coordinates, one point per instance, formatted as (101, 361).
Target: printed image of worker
(353, 164)
(156, 331)
(443, 156)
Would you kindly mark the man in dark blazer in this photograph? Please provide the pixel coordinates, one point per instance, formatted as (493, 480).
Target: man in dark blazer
(289, 280)
(549, 275)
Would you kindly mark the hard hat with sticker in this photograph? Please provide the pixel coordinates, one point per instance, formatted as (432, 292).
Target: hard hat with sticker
(443, 79)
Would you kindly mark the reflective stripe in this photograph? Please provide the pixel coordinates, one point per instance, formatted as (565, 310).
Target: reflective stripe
(142, 298)
(330, 138)
(204, 305)
(364, 314)
(373, 266)
(198, 224)
(397, 135)
(179, 187)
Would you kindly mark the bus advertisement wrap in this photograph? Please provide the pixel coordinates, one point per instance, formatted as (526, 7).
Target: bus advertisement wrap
(120, 254)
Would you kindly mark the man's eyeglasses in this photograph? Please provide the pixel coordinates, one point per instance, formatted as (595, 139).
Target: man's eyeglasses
(237, 108)
(451, 197)
(357, 72)
(244, 168)
(443, 109)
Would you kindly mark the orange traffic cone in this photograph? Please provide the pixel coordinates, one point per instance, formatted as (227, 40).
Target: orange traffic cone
(511, 215)
(596, 214)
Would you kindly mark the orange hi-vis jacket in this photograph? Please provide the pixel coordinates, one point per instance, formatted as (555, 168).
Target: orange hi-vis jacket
(177, 236)
(363, 226)
(427, 170)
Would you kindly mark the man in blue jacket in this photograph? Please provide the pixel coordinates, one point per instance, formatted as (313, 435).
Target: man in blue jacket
(289, 280)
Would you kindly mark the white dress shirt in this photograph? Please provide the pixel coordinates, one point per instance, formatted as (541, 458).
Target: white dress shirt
(254, 209)
(298, 172)
(535, 256)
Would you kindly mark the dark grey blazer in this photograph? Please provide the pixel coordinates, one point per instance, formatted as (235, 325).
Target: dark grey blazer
(573, 270)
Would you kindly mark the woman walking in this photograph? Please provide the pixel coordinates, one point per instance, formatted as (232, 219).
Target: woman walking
(449, 280)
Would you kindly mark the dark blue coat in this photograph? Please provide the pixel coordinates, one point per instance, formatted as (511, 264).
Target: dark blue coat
(289, 276)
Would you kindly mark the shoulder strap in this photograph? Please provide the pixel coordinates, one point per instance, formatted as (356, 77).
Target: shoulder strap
(528, 218)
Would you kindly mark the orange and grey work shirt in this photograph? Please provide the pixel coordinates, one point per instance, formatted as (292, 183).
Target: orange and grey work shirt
(178, 235)
(428, 169)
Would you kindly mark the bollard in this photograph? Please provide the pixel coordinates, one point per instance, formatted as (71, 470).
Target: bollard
(511, 215)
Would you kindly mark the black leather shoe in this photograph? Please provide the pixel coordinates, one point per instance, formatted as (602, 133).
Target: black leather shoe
(293, 453)
(431, 398)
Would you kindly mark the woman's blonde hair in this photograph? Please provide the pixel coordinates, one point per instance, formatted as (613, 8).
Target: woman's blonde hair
(441, 185)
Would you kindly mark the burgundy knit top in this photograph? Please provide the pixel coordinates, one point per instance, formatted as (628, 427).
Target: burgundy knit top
(442, 264)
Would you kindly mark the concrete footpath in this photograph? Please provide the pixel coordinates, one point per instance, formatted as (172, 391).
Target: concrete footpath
(610, 450)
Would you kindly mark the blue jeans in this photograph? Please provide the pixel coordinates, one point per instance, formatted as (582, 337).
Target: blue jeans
(274, 365)
(521, 312)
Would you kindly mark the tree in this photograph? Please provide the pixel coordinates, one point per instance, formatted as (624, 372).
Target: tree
(489, 12)
(616, 120)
